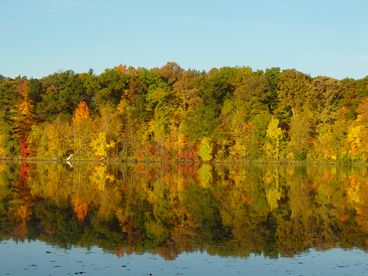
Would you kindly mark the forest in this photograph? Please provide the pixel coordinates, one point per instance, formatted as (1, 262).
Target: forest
(171, 114)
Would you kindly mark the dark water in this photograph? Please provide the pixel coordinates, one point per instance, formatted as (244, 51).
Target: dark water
(139, 219)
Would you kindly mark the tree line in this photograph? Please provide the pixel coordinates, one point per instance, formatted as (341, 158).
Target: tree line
(168, 113)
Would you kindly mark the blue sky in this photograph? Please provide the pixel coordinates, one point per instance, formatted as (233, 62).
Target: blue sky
(318, 37)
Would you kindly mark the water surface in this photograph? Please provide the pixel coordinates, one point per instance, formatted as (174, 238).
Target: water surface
(139, 219)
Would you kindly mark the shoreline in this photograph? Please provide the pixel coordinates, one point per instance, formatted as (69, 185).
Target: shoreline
(186, 162)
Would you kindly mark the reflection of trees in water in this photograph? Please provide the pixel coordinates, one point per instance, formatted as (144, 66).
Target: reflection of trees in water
(167, 209)
(21, 202)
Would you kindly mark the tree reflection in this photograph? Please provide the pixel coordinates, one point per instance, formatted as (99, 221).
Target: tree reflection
(167, 209)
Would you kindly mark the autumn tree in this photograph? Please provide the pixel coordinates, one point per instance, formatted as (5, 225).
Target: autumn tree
(274, 136)
(101, 147)
(51, 140)
(23, 118)
(300, 135)
(205, 149)
(292, 88)
(83, 131)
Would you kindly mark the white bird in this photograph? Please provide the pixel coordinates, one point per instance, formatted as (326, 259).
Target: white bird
(70, 157)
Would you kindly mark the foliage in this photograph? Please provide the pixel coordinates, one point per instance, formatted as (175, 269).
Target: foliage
(168, 113)
(101, 147)
(274, 135)
(205, 149)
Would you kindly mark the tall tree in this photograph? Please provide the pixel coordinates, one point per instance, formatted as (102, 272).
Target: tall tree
(23, 118)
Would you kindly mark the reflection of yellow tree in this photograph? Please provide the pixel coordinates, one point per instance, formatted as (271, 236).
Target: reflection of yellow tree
(94, 192)
(330, 189)
(108, 201)
(4, 187)
(299, 199)
(353, 190)
(51, 181)
(85, 186)
(273, 195)
(3, 139)
(273, 191)
(99, 177)
(239, 203)
(358, 197)
(205, 175)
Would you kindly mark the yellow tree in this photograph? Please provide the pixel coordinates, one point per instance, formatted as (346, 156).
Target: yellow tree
(108, 127)
(51, 140)
(2, 144)
(357, 134)
(274, 135)
(101, 147)
(205, 149)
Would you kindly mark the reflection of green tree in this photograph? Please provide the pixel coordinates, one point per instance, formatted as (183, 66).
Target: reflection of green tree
(7, 220)
(57, 225)
(205, 210)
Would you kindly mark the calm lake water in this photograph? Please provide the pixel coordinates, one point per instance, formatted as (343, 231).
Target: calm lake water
(155, 219)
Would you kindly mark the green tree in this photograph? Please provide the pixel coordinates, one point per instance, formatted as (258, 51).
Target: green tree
(300, 135)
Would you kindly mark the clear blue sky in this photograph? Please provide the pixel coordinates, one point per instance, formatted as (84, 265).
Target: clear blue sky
(318, 37)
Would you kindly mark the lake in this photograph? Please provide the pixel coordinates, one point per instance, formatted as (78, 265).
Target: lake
(189, 219)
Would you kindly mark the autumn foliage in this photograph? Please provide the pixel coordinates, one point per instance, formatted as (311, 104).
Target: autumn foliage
(81, 113)
(172, 114)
